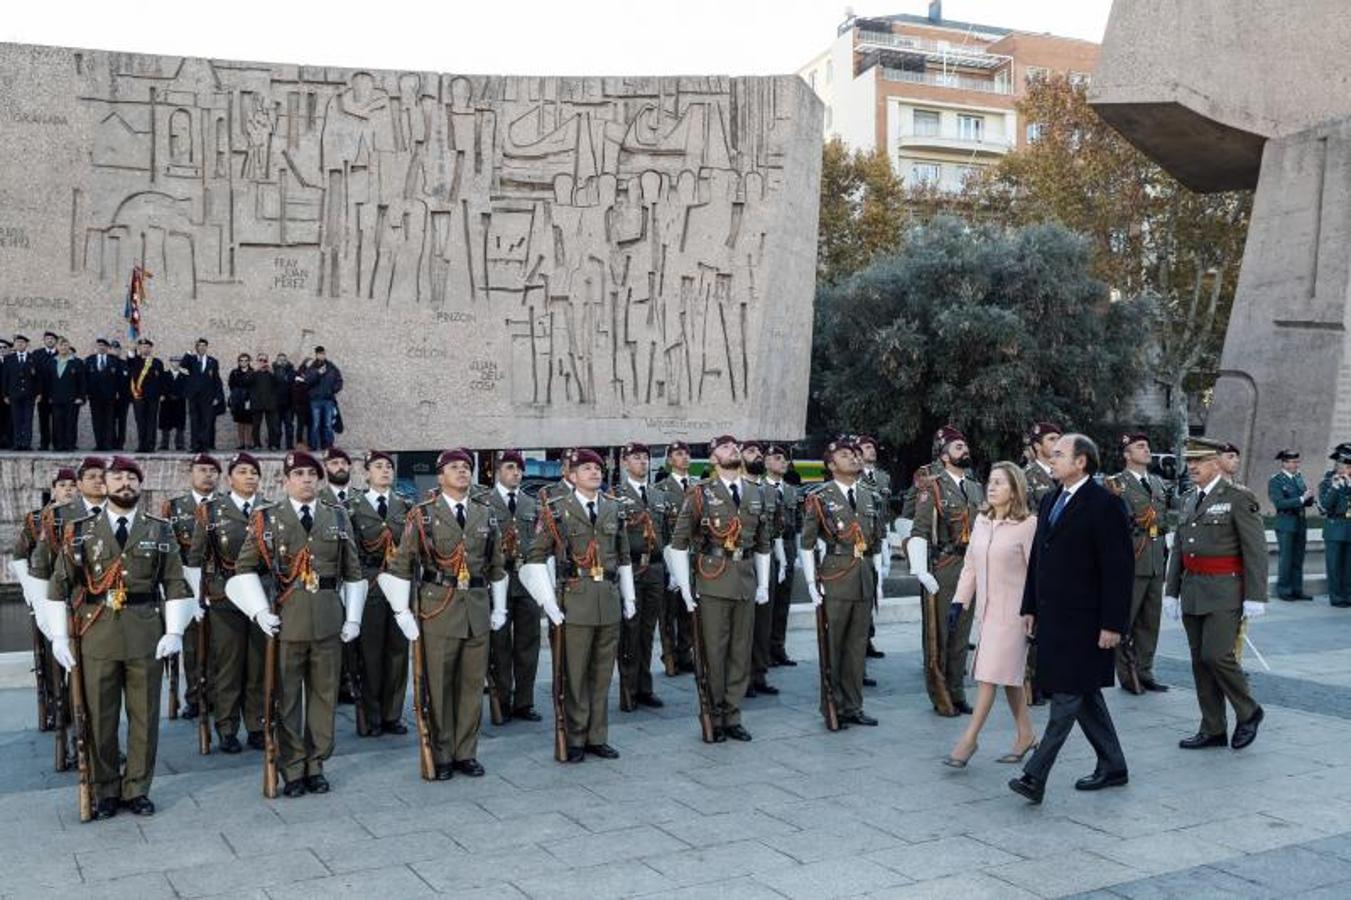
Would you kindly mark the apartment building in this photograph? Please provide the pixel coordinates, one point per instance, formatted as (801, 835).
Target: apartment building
(939, 96)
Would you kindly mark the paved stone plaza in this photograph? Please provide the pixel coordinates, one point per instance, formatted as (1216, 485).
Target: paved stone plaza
(796, 813)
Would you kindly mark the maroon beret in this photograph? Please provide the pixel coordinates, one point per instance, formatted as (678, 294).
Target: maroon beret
(244, 459)
(127, 464)
(299, 459)
(861, 439)
(511, 456)
(372, 455)
(633, 447)
(677, 445)
(586, 455)
(205, 459)
(333, 453)
(1039, 430)
(843, 442)
(1131, 437)
(756, 444)
(569, 457)
(455, 454)
(91, 462)
(65, 473)
(946, 435)
(720, 440)
(776, 450)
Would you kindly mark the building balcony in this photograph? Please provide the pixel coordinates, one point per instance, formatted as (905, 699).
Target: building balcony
(948, 80)
(950, 139)
(933, 51)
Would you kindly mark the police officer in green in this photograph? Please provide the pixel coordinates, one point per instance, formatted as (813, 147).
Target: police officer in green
(648, 515)
(1334, 496)
(585, 533)
(456, 542)
(790, 526)
(1146, 499)
(513, 656)
(1217, 577)
(235, 649)
(724, 533)
(114, 567)
(848, 519)
(1291, 498)
(379, 516)
(754, 470)
(203, 474)
(307, 544)
(946, 504)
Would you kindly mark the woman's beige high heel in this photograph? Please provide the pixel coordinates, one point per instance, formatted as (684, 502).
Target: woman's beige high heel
(957, 762)
(1011, 758)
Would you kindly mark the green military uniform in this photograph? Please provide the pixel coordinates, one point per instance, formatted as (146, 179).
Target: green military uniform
(1334, 496)
(1219, 560)
(945, 508)
(182, 515)
(762, 655)
(384, 649)
(236, 647)
(1040, 484)
(458, 565)
(1146, 500)
(789, 526)
(649, 515)
(587, 558)
(312, 566)
(676, 620)
(879, 481)
(1286, 492)
(48, 677)
(115, 592)
(514, 648)
(852, 533)
(721, 537)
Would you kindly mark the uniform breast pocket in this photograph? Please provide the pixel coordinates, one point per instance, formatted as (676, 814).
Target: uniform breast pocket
(610, 527)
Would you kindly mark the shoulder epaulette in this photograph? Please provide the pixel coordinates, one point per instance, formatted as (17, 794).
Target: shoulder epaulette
(483, 499)
(428, 502)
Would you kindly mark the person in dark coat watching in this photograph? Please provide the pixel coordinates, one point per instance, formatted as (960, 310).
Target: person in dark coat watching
(103, 377)
(283, 373)
(263, 394)
(173, 408)
(300, 405)
(66, 387)
(1076, 602)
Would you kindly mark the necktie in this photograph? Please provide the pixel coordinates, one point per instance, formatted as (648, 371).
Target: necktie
(961, 486)
(869, 477)
(95, 510)
(684, 484)
(382, 507)
(642, 492)
(736, 495)
(511, 502)
(121, 531)
(1059, 506)
(852, 503)
(306, 520)
(1144, 480)
(342, 496)
(459, 514)
(100, 363)
(779, 488)
(247, 506)
(591, 510)
(1200, 498)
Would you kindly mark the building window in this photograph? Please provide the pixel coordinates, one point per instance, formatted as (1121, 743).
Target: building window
(1037, 73)
(925, 173)
(967, 174)
(830, 71)
(1033, 132)
(1080, 79)
(1001, 81)
(970, 128)
(926, 123)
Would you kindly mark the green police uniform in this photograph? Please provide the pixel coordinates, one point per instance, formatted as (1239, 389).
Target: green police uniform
(649, 515)
(514, 648)
(384, 649)
(781, 591)
(1286, 492)
(457, 564)
(1219, 560)
(945, 508)
(115, 592)
(721, 537)
(181, 513)
(587, 558)
(311, 567)
(235, 646)
(1146, 500)
(1334, 496)
(676, 620)
(850, 521)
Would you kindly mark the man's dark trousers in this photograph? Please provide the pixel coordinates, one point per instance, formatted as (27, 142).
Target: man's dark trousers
(1090, 711)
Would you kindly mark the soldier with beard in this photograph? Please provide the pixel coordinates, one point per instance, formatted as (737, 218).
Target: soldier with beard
(338, 471)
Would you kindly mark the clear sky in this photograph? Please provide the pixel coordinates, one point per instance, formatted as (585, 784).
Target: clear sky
(529, 37)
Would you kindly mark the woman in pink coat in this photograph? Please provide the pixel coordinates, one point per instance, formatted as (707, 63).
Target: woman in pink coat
(993, 574)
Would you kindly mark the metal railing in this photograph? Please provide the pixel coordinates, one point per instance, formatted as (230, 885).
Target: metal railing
(992, 142)
(975, 55)
(948, 80)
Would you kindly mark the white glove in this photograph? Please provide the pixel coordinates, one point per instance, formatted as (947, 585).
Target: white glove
(350, 631)
(246, 592)
(407, 624)
(499, 614)
(797, 560)
(1253, 608)
(19, 569)
(193, 576)
(539, 581)
(918, 550)
(271, 623)
(1172, 608)
(782, 557)
(61, 651)
(35, 595)
(880, 568)
(761, 579)
(678, 562)
(55, 614)
(627, 592)
(929, 582)
(354, 600)
(178, 614)
(808, 560)
(169, 645)
(552, 565)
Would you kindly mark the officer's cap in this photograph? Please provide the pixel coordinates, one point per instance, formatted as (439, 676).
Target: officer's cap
(145, 342)
(21, 337)
(776, 450)
(719, 441)
(50, 334)
(1039, 430)
(753, 445)
(1132, 437)
(1286, 455)
(205, 459)
(1203, 448)
(511, 456)
(299, 459)
(843, 442)
(677, 445)
(585, 455)
(944, 436)
(4, 342)
(102, 342)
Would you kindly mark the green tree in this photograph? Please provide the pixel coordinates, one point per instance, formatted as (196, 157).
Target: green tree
(862, 210)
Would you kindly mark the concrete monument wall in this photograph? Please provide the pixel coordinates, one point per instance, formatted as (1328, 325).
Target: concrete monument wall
(491, 260)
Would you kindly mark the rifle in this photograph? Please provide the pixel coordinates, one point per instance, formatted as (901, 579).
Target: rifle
(666, 630)
(628, 636)
(271, 702)
(171, 673)
(494, 698)
(1132, 660)
(422, 715)
(557, 647)
(827, 677)
(204, 684)
(41, 675)
(701, 685)
(80, 714)
(355, 669)
(61, 720)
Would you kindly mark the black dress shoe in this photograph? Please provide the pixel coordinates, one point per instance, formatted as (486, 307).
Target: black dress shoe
(316, 784)
(1339, 604)
(526, 713)
(737, 733)
(1028, 786)
(230, 744)
(576, 754)
(685, 666)
(952, 715)
(785, 661)
(444, 772)
(256, 741)
(1303, 596)
(751, 692)
(294, 788)
(471, 767)
(395, 727)
(963, 707)
(869, 682)
(140, 806)
(1099, 780)
(651, 701)
(345, 696)
(106, 808)
(873, 652)
(604, 751)
(1246, 732)
(191, 710)
(372, 731)
(719, 735)
(1201, 739)
(767, 689)
(859, 719)
(1150, 684)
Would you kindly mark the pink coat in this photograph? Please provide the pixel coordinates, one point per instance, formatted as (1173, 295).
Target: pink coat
(993, 573)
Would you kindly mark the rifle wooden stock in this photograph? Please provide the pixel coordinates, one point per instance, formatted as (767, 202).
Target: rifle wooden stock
(1132, 660)
(356, 682)
(422, 716)
(80, 714)
(204, 685)
(558, 653)
(701, 687)
(62, 754)
(666, 629)
(494, 697)
(42, 679)
(828, 709)
(271, 704)
(171, 674)
(624, 662)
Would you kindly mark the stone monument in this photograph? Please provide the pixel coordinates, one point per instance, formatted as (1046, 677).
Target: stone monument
(491, 260)
(1229, 94)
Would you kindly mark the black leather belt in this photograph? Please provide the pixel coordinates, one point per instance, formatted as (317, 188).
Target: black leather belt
(571, 571)
(446, 579)
(737, 555)
(509, 565)
(133, 598)
(841, 550)
(952, 550)
(652, 558)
